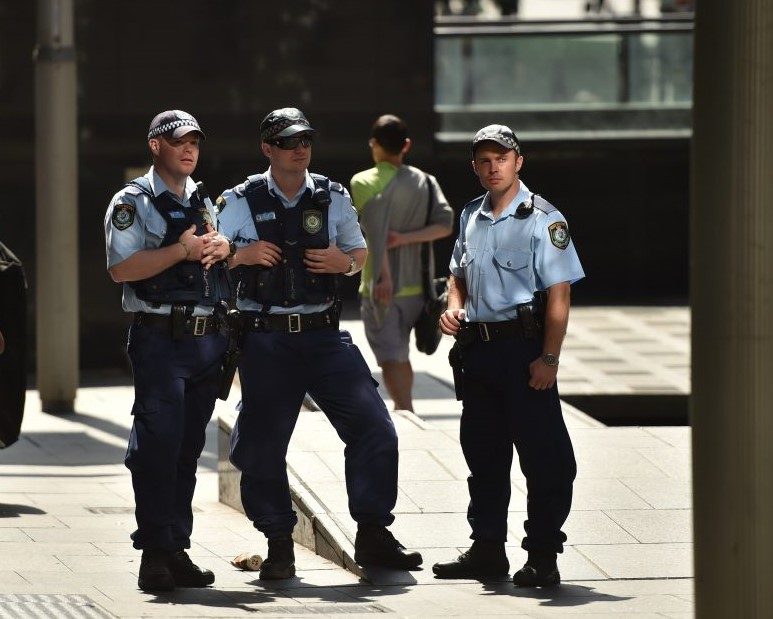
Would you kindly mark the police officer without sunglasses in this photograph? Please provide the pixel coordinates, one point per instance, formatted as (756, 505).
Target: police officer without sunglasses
(513, 252)
(162, 246)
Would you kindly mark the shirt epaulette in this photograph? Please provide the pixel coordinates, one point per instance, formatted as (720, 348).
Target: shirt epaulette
(473, 204)
(543, 205)
(238, 191)
(337, 187)
(132, 190)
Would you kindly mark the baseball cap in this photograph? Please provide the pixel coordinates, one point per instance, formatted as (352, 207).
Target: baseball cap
(501, 134)
(283, 123)
(173, 123)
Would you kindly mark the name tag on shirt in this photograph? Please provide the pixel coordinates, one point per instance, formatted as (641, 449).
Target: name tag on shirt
(177, 215)
(267, 216)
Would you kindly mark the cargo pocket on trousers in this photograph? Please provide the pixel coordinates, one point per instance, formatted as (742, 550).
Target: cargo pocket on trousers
(148, 406)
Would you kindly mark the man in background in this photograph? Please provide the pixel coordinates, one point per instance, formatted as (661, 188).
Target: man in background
(393, 200)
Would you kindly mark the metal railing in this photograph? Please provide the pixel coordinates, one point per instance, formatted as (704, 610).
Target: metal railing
(593, 77)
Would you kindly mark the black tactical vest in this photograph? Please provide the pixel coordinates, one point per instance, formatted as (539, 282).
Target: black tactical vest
(305, 226)
(187, 282)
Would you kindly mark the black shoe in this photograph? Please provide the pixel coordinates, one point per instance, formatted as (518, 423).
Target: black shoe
(280, 562)
(154, 571)
(186, 573)
(483, 560)
(375, 545)
(540, 570)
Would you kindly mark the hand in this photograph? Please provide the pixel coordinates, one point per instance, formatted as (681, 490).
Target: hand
(215, 250)
(194, 245)
(451, 321)
(383, 291)
(328, 260)
(394, 239)
(261, 253)
(542, 376)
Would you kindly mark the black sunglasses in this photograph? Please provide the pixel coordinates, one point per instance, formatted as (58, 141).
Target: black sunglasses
(292, 142)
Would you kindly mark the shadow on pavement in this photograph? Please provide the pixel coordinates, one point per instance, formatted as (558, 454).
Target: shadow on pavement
(8, 510)
(564, 595)
(361, 592)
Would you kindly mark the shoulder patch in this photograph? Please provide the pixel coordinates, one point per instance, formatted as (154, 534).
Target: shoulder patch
(123, 216)
(220, 204)
(559, 234)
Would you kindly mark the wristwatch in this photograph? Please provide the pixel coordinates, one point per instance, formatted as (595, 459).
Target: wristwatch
(352, 267)
(550, 360)
(231, 248)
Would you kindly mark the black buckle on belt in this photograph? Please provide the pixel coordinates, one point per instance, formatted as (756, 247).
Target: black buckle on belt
(294, 323)
(483, 332)
(199, 325)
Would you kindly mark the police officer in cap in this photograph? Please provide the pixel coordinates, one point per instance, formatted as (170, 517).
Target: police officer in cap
(513, 247)
(296, 234)
(162, 246)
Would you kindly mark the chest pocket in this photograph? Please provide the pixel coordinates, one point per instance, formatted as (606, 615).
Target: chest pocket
(512, 259)
(156, 228)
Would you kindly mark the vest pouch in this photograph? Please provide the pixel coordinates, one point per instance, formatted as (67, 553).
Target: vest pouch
(319, 289)
(260, 283)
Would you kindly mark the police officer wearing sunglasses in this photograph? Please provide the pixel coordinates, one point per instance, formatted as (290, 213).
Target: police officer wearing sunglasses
(162, 246)
(293, 235)
(513, 252)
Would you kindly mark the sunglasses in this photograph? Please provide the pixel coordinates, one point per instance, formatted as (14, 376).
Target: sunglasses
(292, 142)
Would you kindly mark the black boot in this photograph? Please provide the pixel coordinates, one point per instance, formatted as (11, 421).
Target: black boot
(154, 571)
(484, 559)
(280, 562)
(186, 573)
(375, 545)
(540, 570)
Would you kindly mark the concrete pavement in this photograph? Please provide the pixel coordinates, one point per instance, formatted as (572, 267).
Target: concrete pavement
(66, 512)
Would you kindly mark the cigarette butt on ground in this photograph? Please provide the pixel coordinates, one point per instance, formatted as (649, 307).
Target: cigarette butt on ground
(248, 562)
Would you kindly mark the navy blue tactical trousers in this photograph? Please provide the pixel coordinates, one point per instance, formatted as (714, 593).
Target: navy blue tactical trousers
(276, 370)
(501, 410)
(175, 388)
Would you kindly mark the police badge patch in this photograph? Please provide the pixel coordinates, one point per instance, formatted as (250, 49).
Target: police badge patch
(559, 234)
(123, 216)
(312, 221)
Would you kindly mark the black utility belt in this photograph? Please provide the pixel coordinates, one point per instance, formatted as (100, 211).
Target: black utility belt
(492, 331)
(291, 323)
(192, 325)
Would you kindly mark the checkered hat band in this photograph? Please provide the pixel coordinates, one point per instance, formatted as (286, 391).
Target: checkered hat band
(161, 129)
(278, 127)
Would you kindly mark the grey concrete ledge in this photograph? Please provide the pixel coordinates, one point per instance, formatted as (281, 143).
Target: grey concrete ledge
(316, 529)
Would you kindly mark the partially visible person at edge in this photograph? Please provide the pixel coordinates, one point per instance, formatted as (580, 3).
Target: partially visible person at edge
(392, 200)
(161, 245)
(512, 245)
(296, 233)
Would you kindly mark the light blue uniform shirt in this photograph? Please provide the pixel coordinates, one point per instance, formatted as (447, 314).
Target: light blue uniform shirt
(505, 261)
(146, 232)
(235, 222)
